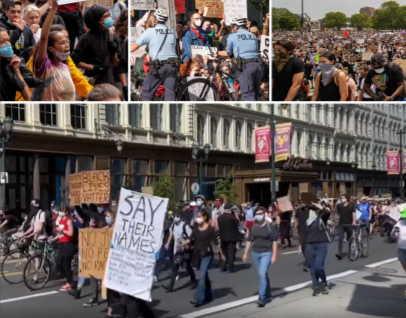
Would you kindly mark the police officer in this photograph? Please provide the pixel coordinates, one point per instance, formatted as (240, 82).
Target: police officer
(164, 62)
(244, 46)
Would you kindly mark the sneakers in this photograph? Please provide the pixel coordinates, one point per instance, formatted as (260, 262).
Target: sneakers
(324, 289)
(316, 291)
(66, 287)
(155, 279)
(92, 302)
(75, 293)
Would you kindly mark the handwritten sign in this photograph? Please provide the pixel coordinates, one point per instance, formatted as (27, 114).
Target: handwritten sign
(360, 41)
(264, 46)
(137, 54)
(366, 56)
(204, 50)
(106, 3)
(90, 187)
(137, 237)
(142, 4)
(195, 90)
(169, 8)
(94, 247)
(136, 33)
(216, 7)
(235, 9)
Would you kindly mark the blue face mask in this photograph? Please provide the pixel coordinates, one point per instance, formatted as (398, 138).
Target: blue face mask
(108, 23)
(259, 218)
(6, 51)
(108, 220)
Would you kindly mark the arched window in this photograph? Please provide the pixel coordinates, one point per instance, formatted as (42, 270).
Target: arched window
(213, 134)
(200, 130)
(238, 135)
(226, 133)
(249, 138)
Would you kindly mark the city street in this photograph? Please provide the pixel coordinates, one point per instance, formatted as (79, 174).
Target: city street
(286, 275)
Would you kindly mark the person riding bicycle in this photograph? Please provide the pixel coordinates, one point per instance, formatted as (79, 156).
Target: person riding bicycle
(164, 62)
(10, 223)
(244, 45)
(347, 218)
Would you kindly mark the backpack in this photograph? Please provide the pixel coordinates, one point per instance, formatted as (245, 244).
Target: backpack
(49, 224)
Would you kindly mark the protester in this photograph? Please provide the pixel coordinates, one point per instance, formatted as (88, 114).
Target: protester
(8, 226)
(347, 220)
(32, 17)
(401, 228)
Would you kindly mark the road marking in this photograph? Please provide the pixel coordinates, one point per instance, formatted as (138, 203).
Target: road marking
(375, 265)
(13, 274)
(245, 301)
(28, 297)
(292, 252)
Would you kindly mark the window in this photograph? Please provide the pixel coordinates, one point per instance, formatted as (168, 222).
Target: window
(78, 116)
(213, 136)
(16, 111)
(135, 114)
(200, 130)
(226, 133)
(238, 135)
(156, 116)
(249, 138)
(175, 120)
(113, 114)
(48, 114)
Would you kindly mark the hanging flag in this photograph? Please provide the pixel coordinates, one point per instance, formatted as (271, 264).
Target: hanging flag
(346, 34)
(282, 141)
(392, 162)
(262, 144)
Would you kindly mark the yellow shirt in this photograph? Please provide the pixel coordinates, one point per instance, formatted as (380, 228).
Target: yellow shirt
(82, 86)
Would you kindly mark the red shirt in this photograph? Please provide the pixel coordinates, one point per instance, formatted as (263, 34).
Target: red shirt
(64, 238)
(68, 7)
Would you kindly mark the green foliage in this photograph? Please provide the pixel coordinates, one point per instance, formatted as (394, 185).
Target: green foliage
(261, 6)
(225, 188)
(335, 20)
(390, 16)
(282, 18)
(361, 21)
(165, 187)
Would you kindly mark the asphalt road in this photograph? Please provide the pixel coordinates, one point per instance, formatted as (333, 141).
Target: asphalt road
(17, 301)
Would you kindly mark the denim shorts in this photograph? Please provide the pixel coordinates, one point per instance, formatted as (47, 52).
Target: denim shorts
(402, 255)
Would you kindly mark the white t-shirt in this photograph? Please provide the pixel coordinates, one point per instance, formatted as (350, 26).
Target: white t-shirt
(401, 225)
(36, 222)
(178, 230)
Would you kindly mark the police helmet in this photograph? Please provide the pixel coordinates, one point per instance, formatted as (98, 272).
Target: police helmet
(240, 22)
(160, 15)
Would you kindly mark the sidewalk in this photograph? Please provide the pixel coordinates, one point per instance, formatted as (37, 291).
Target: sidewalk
(373, 292)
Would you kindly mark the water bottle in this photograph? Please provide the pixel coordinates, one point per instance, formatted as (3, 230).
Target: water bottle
(231, 85)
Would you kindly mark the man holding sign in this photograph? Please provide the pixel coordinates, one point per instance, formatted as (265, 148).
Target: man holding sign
(244, 46)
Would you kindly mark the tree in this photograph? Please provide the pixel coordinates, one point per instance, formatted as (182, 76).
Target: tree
(164, 187)
(282, 18)
(390, 16)
(261, 6)
(361, 21)
(288, 22)
(335, 20)
(226, 189)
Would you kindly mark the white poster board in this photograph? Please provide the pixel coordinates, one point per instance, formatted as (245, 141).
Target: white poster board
(137, 237)
(360, 41)
(204, 50)
(366, 56)
(265, 45)
(235, 9)
(63, 2)
(135, 34)
(142, 5)
(195, 89)
(169, 7)
(394, 213)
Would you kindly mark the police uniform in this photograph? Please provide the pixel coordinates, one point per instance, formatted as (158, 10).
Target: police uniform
(167, 74)
(244, 44)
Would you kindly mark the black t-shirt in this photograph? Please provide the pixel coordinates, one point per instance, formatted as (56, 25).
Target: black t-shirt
(282, 81)
(228, 226)
(345, 213)
(386, 81)
(203, 239)
(301, 216)
(262, 237)
(308, 69)
(12, 221)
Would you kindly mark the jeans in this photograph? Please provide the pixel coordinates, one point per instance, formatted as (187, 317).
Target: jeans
(229, 250)
(64, 260)
(316, 255)
(175, 271)
(367, 223)
(203, 290)
(342, 229)
(263, 262)
(7, 234)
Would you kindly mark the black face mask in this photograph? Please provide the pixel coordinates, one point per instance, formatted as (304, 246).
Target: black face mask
(32, 1)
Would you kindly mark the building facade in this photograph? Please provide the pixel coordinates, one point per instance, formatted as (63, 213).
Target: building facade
(345, 144)
(367, 10)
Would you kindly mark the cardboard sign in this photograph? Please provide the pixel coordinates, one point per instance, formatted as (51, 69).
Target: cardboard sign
(235, 9)
(169, 7)
(142, 4)
(309, 198)
(402, 64)
(265, 45)
(204, 51)
(284, 204)
(216, 7)
(90, 187)
(136, 33)
(360, 41)
(195, 90)
(94, 247)
(366, 56)
(107, 3)
(137, 54)
(137, 238)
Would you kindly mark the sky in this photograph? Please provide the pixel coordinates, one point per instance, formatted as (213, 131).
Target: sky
(316, 9)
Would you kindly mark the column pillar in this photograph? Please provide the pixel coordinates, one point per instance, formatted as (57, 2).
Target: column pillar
(36, 178)
(293, 144)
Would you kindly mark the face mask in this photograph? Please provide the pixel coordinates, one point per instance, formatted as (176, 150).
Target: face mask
(207, 29)
(176, 219)
(344, 200)
(61, 214)
(60, 55)
(6, 51)
(108, 23)
(152, 24)
(108, 220)
(198, 22)
(100, 210)
(199, 220)
(211, 34)
(259, 218)
(281, 58)
(327, 70)
(379, 70)
(199, 203)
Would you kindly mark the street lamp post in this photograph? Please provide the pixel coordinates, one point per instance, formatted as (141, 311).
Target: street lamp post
(200, 155)
(401, 133)
(6, 128)
(302, 22)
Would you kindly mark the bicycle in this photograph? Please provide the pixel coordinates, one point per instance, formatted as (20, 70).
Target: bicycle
(18, 264)
(9, 246)
(359, 242)
(332, 229)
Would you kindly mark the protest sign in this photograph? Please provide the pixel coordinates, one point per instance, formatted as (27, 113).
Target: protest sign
(94, 247)
(235, 9)
(264, 46)
(90, 187)
(106, 3)
(63, 2)
(204, 51)
(136, 33)
(284, 204)
(366, 56)
(137, 54)
(142, 4)
(195, 90)
(394, 213)
(402, 64)
(137, 237)
(216, 7)
(169, 7)
(360, 41)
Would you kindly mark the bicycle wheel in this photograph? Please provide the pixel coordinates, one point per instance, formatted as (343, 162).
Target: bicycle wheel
(75, 264)
(204, 88)
(353, 249)
(364, 246)
(40, 276)
(3, 249)
(13, 249)
(12, 269)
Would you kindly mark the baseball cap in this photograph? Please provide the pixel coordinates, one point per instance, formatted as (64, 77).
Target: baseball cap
(193, 203)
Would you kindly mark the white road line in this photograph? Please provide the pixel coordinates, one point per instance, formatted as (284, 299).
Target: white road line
(292, 252)
(245, 301)
(28, 297)
(375, 265)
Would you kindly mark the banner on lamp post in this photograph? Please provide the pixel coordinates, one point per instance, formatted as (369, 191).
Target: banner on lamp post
(262, 144)
(282, 141)
(404, 162)
(392, 162)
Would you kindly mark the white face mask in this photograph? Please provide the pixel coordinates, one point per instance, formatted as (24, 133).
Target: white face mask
(61, 214)
(199, 203)
(60, 55)
(379, 70)
(198, 22)
(199, 220)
